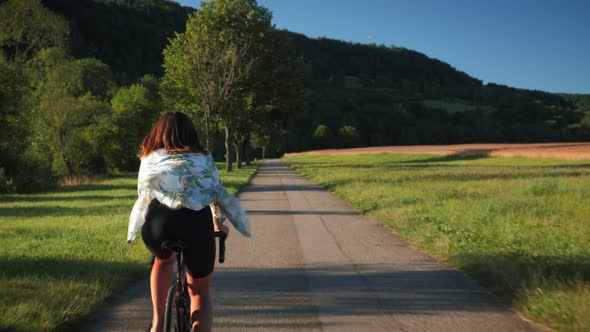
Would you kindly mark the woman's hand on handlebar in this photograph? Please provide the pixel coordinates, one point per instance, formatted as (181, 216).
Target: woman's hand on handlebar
(219, 227)
(221, 232)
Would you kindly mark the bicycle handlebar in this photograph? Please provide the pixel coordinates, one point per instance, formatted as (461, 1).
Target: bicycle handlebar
(222, 236)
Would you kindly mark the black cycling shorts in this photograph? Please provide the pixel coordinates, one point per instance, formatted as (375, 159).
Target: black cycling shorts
(194, 228)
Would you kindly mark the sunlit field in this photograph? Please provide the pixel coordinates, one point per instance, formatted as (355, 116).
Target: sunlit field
(63, 253)
(521, 227)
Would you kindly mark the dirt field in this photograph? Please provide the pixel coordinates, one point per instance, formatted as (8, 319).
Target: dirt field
(567, 151)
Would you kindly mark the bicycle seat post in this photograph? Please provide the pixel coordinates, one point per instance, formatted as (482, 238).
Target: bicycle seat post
(177, 302)
(179, 267)
(178, 248)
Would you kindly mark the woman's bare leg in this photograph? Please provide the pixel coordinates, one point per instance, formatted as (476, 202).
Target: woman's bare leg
(201, 307)
(160, 280)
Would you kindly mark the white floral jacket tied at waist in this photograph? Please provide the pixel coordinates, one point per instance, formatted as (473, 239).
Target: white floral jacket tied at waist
(188, 180)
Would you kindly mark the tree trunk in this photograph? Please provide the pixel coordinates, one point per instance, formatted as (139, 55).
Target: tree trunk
(69, 166)
(228, 141)
(264, 152)
(245, 155)
(207, 128)
(238, 154)
(62, 146)
(212, 139)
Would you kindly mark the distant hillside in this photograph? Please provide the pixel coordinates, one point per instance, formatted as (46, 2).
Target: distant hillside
(128, 35)
(356, 94)
(399, 96)
(384, 66)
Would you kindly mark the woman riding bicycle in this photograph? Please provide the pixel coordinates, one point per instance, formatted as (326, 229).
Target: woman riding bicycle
(181, 199)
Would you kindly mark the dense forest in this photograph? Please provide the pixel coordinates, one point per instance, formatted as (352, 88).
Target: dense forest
(386, 95)
(87, 73)
(371, 94)
(127, 35)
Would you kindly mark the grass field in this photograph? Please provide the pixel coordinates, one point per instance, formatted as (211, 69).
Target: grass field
(63, 253)
(521, 227)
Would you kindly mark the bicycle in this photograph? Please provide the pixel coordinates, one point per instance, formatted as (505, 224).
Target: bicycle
(178, 303)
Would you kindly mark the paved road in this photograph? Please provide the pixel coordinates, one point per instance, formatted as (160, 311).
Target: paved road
(314, 264)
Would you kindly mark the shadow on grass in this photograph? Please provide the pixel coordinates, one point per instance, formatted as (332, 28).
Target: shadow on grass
(127, 176)
(418, 165)
(96, 187)
(59, 268)
(42, 274)
(451, 176)
(506, 275)
(415, 173)
(46, 198)
(433, 161)
(52, 211)
(476, 155)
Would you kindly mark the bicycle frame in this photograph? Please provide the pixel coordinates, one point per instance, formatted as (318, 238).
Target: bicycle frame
(183, 301)
(178, 302)
(178, 305)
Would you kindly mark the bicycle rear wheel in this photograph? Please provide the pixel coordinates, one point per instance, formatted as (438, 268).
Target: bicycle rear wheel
(170, 317)
(177, 316)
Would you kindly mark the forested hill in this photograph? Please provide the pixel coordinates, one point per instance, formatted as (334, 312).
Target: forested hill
(335, 59)
(356, 94)
(128, 35)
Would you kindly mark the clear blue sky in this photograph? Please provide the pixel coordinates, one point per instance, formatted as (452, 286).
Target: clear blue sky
(531, 44)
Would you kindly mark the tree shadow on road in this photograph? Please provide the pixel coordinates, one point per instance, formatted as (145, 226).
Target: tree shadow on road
(281, 297)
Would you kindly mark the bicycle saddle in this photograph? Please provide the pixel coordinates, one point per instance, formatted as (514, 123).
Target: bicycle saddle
(176, 246)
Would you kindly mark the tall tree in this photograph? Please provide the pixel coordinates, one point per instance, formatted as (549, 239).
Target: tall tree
(134, 112)
(26, 30)
(277, 91)
(69, 119)
(72, 102)
(26, 27)
(13, 117)
(207, 67)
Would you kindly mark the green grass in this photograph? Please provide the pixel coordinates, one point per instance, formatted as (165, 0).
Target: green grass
(63, 253)
(519, 226)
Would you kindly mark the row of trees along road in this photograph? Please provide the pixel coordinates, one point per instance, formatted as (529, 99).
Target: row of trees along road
(66, 118)
(231, 70)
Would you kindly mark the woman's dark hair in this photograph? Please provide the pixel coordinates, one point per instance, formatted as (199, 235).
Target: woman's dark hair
(175, 132)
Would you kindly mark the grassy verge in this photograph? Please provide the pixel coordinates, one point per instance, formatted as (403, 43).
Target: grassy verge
(519, 226)
(62, 253)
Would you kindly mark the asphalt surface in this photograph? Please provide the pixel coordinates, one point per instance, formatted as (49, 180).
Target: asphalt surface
(315, 264)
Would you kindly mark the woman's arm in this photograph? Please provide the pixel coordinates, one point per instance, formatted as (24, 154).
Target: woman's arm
(218, 218)
(137, 216)
(229, 205)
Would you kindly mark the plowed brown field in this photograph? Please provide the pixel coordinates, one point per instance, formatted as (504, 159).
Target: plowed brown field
(567, 151)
